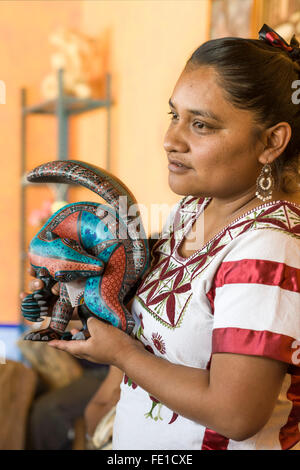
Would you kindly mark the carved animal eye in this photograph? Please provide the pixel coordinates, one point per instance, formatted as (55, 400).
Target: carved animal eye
(51, 236)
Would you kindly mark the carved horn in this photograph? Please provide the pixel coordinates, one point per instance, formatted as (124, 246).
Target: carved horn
(98, 180)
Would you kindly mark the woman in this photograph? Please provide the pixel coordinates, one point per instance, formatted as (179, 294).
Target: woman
(215, 364)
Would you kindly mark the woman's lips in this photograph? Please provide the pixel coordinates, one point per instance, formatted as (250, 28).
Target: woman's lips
(177, 167)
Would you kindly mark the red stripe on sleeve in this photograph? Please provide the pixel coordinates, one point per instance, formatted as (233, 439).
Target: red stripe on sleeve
(255, 343)
(214, 441)
(256, 271)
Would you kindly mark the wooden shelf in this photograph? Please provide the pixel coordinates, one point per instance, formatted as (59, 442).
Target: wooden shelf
(70, 105)
(62, 109)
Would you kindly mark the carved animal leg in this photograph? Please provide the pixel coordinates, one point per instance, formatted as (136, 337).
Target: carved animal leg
(110, 287)
(83, 314)
(61, 315)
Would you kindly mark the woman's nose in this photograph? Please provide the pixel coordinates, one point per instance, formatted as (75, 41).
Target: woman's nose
(175, 141)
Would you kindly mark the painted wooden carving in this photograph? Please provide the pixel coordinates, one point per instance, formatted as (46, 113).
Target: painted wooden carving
(96, 252)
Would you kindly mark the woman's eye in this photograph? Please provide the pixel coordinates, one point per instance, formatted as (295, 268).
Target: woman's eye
(200, 125)
(172, 115)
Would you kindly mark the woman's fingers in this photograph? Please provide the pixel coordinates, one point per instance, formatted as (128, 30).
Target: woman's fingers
(77, 347)
(55, 289)
(36, 284)
(106, 345)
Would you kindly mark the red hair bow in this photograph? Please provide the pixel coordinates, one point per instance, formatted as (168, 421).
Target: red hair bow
(270, 36)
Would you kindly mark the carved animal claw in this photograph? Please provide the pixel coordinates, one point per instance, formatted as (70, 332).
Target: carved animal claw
(43, 335)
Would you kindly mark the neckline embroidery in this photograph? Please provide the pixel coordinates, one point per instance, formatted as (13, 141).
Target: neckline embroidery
(202, 208)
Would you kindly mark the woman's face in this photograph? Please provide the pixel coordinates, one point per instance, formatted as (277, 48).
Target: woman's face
(213, 141)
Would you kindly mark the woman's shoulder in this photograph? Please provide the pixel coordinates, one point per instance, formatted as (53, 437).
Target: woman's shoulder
(270, 231)
(283, 214)
(273, 234)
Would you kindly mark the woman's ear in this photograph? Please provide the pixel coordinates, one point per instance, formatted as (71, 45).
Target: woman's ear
(275, 139)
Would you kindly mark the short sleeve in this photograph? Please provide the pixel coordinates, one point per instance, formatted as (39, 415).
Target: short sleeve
(255, 297)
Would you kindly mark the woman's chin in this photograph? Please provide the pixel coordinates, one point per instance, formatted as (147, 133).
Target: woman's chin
(183, 188)
(179, 189)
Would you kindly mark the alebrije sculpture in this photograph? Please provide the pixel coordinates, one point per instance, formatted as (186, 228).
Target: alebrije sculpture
(97, 253)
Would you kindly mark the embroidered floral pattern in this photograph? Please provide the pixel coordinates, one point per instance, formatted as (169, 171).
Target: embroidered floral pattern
(154, 404)
(128, 381)
(159, 343)
(160, 346)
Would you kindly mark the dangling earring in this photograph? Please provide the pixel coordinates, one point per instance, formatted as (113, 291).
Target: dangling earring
(265, 183)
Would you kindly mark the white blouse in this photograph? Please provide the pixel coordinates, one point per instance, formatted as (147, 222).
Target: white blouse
(240, 293)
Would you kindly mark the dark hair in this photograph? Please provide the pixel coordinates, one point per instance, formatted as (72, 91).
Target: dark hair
(258, 77)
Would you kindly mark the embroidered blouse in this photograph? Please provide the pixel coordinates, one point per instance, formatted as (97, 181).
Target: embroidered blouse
(239, 293)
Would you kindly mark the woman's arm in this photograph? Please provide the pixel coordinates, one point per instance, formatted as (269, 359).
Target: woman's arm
(103, 400)
(234, 398)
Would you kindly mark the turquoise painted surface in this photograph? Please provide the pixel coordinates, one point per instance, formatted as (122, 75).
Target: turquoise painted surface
(93, 230)
(57, 249)
(95, 303)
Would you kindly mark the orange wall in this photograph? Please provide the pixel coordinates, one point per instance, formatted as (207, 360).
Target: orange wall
(148, 43)
(24, 60)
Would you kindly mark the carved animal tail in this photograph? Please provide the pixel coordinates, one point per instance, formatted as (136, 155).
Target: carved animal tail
(107, 186)
(77, 172)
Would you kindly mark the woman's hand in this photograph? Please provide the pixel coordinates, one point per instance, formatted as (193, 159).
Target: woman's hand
(39, 302)
(107, 344)
(35, 286)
